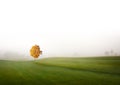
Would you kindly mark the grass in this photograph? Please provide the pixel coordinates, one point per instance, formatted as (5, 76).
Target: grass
(61, 71)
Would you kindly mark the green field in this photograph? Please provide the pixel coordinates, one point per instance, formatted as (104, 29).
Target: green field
(61, 71)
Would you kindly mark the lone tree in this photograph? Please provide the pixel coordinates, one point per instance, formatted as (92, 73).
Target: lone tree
(35, 51)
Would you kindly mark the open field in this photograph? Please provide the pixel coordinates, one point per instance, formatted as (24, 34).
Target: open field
(61, 71)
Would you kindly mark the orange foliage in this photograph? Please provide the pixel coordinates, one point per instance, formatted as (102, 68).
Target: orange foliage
(35, 51)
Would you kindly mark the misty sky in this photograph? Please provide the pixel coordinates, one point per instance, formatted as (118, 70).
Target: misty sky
(60, 27)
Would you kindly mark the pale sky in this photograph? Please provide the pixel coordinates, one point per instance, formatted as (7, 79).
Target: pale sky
(60, 27)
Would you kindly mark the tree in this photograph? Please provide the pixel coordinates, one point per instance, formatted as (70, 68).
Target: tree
(107, 53)
(35, 51)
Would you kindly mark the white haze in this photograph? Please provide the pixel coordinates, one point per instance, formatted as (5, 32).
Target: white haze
(60, 27)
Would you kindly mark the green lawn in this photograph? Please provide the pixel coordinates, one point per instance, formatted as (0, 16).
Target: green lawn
(61, 71)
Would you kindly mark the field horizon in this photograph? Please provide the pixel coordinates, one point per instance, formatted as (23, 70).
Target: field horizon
(61, 71)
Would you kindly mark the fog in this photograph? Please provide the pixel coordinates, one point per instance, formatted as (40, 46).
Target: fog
(71, 28)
